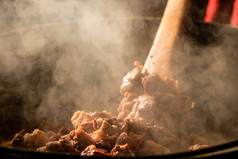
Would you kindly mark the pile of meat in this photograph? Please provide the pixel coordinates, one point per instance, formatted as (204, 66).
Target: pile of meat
(150, 117)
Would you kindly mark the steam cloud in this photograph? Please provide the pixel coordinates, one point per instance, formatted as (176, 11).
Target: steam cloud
(61, 56)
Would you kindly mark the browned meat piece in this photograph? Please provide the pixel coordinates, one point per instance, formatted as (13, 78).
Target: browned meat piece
(197, 147)
(173, 110)
(54, 137)
(86, 120)
(132, 80)
(18, 139)
(83, 139)
(122, 151)
(107, 128)
(102, 114)
(128, 97)
(97, 123)
(173, 103)
(154, 83)
(91, 150)
(126, 105)
(151, 148)
(162, 109)
(161, 135)
(52, 146)
(36, 139)
(134, 141)
(88, 126)
(118, 124)
(68, 143)
(145, 108)
(105, 137)
(80, 117)
(114, 124)
(64, 131)
(137, 126)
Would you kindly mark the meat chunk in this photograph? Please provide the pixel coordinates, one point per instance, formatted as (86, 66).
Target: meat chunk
(134, 141)
(151, 148)
(137, 126)
(122, 151)
(173, 110)
(64, 131)
(80, 117)
(106, 136)
(86, 120)
(82, 138)
(162, 109)
(68, 143)
(52, 146)
(119, 125)
(145, 108)
(102, 114)
(126, 105)
(36, 139)
(131, 81)
(88, 126)
(52, 136)
(18, 139)
(161, 135)
(154, 83)
(173, 102)
(91, 150)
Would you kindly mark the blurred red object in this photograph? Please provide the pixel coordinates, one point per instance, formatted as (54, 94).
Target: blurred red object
(222, 11)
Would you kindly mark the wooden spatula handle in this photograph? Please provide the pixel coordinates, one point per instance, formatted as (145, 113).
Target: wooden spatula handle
(161, 53)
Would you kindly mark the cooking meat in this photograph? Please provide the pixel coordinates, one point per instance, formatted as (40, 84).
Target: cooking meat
(51, 146)
(122, 151)
(82, 138)
(172, 107)
(18, 139)
(137, 126)
(126, 104)
(91, 150)
(103, 114)
(161, 135)
(132, 80)
(144, 108)
(161, 103)
(150, 116)
(154, 83)
(110, 136)
(106, 136)
(80, 117)
(36, 139)
(69, 143)
(64, 131)
(151, 148)
(134, 141)
(52, 136)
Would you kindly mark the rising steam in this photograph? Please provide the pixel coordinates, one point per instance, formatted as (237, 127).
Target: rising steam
(61, 56)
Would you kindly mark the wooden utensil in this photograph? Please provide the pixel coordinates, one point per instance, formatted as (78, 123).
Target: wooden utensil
(161, 55)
